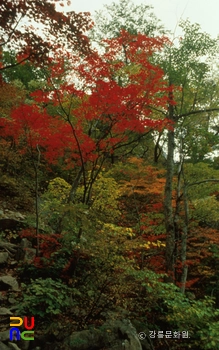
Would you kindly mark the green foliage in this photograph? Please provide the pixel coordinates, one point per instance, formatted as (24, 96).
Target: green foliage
(121, 171)
(104, 263)
(152, 287)
(204, 200)
(103, 205)
(186, 63)
(199, 317)
(199, 141)
(23, 73)
(9, 184)
(45, 297)
(17, 192)
(152, 223)
(198, 172)
(215, 163)
(125, 14)
(53, 204)
(206, 209)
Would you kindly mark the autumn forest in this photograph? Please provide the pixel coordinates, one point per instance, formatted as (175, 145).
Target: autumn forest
(109, 180)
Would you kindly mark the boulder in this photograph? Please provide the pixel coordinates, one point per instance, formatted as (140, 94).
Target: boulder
(10, 224)
(3, 346)
(13, 346)
(114, 334)
(4, 335)
(9, 247)
(11, 220)
(25, 243)
(8, 282)
(4, 257)
(4, 311)
(87, 339)
(9, 214)
(30, 254)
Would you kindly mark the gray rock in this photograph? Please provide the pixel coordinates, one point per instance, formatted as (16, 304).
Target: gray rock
(10, 224)
(9, 247)
(25, 243)
(82, 340)
(24, 345)
(3, 257)
(120, 334)
(9, 214)
(4, 336)
(30, 254)
(3, 346)
(9, 281)
(12, 300)
(128, 331)
(4, 311)
(13, 346)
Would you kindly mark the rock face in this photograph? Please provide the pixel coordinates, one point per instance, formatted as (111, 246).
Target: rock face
(117, 333)
(6, 345)
(3, 346)
(11, 220)
(4, 257)
(8, 282)
(112, 335)
(10, 224)
(4, 311)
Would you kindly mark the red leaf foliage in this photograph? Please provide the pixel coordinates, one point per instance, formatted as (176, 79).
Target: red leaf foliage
(19, 23)
(113, 94)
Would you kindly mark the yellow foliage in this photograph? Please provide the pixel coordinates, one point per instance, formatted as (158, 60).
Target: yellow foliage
(59, 189)
(105, 196)
(114, 230)
(149, 245)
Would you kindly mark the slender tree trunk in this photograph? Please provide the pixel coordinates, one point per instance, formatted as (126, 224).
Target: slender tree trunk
(36, 167)
(168, 209)
(75, 185)
(157, 148)
(184, 241)
(71, 197)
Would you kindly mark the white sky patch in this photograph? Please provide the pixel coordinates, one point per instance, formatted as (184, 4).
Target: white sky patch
(170, 12)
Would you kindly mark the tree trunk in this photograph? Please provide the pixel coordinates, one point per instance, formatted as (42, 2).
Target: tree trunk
(168, 209)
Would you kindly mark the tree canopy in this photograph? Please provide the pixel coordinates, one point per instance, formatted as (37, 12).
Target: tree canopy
(34, 29)
(108, 199)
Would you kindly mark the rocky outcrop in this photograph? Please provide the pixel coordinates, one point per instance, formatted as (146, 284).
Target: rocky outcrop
(12, 222)
(8, 282)
(117, 333)
(114, 334)
(4, 257)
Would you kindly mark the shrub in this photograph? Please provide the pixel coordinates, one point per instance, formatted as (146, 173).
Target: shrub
(45, 297)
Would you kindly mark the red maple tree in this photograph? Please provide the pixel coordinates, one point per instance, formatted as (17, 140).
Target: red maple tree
(35, 29)
(99, 102)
